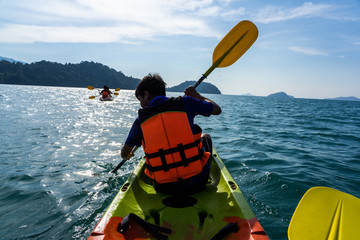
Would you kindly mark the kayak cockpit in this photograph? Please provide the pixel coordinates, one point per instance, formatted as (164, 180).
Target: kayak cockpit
(219, 209)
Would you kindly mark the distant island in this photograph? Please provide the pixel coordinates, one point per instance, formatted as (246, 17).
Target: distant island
(345, 98)
(280, 95)
(10, 60)
(204, 87)
(247, 95)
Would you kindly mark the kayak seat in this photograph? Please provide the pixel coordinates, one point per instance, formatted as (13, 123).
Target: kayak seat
(179, 201)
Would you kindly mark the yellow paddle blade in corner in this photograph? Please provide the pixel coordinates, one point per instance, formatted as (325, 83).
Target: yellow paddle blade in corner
(90, 88)
(117, 89)
(326, 213)
(92, 97)
(116, 93)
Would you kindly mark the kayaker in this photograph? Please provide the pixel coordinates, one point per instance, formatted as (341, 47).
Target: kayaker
(176, 158)
(105, 93)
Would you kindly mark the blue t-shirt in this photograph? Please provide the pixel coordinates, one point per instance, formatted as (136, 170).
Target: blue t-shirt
(193, 107)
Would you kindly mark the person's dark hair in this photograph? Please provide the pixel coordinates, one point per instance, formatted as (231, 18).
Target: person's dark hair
(152, 83)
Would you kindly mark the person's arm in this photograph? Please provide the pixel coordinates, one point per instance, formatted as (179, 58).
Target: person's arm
(191, 91)
(133, 139)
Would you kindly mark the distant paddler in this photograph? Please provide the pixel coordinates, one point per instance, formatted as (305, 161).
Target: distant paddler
(105, 94)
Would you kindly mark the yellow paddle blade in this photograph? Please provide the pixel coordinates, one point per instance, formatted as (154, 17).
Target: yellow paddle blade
(326, 213)
(92, 97)
(235, 43)
(232, 46)
(117, 89)
(116, 93)
(90, 88)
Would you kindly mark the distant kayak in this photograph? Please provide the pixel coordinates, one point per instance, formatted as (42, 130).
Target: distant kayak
(106, 99)
(220, 211)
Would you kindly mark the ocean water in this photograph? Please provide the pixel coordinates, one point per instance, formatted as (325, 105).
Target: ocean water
(57, 148)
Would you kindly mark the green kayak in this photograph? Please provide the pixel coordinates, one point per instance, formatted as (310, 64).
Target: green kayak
(220, 211)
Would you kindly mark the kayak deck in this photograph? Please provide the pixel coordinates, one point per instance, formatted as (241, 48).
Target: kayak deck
(197, 216)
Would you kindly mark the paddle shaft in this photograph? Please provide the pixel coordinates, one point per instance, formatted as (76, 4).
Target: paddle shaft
(119, 166)
(123, 161)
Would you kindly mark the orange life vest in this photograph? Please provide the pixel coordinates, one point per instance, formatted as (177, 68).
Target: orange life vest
(105, 94)
(172, 151)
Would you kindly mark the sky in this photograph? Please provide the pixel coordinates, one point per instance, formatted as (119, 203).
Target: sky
(308, 49)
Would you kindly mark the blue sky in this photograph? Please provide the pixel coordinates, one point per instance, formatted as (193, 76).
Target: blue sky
(308, 49)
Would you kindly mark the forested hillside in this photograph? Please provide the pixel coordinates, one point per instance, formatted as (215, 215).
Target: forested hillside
(46, 73)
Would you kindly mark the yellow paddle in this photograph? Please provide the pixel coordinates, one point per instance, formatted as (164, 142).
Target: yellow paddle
(326, 213)
(232, 46)
(91, 88)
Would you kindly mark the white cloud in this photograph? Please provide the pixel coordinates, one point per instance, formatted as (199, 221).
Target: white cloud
(29, 34)
(308, 51)
(276, 14)
(103, 21)
(234, 13)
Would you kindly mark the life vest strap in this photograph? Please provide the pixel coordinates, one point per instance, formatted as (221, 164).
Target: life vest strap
(163, 160)
(172, 150)
(185, 162)
(182, 154)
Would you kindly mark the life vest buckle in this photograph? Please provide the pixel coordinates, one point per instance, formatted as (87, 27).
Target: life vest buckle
(181, 150)
(163, 160)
